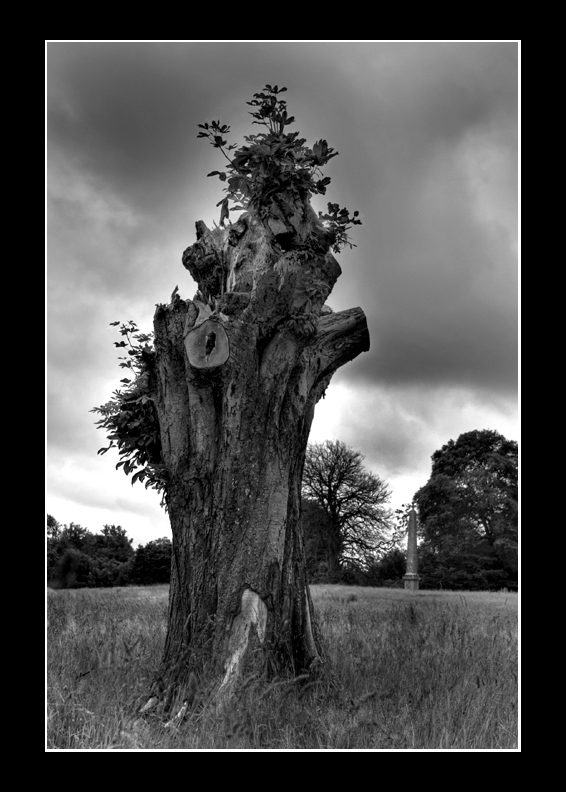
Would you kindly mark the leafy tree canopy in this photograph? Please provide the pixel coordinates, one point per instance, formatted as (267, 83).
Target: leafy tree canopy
(152, 563)
(471, 498)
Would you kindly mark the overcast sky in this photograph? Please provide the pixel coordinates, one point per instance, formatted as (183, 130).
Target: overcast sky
(428, 140)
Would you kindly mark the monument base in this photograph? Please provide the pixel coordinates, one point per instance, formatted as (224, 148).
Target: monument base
(411, 581)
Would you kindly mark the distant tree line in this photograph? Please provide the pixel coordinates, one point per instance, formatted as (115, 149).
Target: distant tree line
(467, 524)
(78, 558)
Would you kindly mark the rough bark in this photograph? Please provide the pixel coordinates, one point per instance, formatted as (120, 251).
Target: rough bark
(239, 371)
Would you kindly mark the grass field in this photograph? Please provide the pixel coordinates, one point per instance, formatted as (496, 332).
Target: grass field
(406, 670)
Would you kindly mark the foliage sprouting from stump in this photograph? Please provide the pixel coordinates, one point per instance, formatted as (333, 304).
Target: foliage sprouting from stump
(276, 162)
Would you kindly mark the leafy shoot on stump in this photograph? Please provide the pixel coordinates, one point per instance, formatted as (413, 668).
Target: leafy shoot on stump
(130, 417)
(275, 162)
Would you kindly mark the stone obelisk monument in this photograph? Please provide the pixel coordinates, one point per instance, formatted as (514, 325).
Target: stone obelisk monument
(412, 577)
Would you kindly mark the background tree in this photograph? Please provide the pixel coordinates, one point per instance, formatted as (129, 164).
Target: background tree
(74, 569)
(354, 501)
(470, 567)
(53, 527)
(52, 545)
(468, 508)
(113, 557)
(113, 542)
(219, 410)
(388, 571)
(78, 558)
(152, 563)
(70, 549)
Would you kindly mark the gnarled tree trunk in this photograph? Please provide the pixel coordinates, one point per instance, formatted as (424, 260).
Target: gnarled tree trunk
(239, 371)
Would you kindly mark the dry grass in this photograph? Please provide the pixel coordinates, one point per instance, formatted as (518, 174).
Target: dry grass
(405, 671)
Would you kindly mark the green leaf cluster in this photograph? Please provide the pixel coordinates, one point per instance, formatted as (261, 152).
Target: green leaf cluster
(275, 162)
(130, 417)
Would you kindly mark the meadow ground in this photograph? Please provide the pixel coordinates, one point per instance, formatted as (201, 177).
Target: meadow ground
(405, 670)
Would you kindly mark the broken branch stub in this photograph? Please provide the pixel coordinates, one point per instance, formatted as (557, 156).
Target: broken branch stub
(207, 345)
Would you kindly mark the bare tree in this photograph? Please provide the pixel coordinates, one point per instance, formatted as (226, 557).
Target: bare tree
(359, 524)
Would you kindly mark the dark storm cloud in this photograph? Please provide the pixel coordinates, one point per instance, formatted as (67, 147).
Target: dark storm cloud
(444, 303)
(124, 110)
(437, 281)
(130, 111)
(437, 264)
(427, 135)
